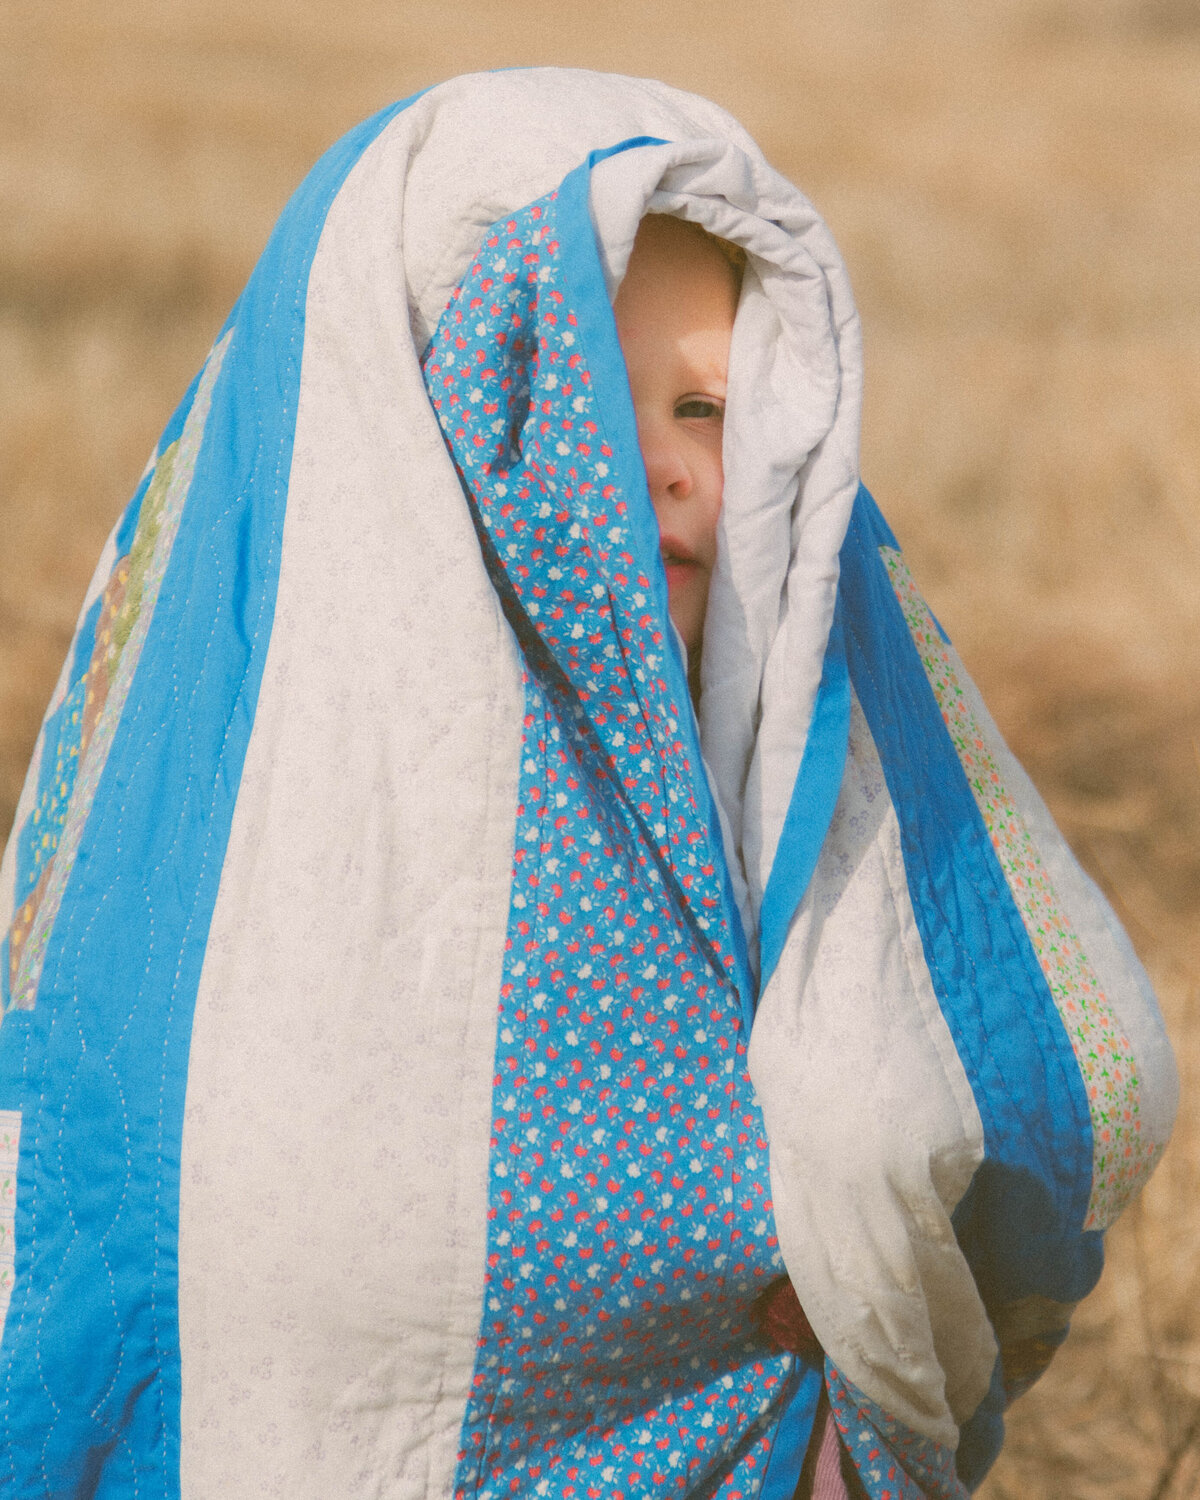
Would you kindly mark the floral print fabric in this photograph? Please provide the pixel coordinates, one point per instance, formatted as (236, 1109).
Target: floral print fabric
(631, 1230)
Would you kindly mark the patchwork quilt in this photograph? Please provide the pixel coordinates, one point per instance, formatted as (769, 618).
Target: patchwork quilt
(429, 1051)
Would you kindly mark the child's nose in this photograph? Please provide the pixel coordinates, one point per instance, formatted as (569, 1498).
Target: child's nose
(667, 469)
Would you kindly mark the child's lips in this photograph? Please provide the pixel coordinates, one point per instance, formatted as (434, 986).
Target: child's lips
(678, 561)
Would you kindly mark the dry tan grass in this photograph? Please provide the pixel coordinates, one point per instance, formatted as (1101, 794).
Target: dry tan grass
(1016, 186)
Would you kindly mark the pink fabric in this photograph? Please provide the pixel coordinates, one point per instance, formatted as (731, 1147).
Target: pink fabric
(827, 1481)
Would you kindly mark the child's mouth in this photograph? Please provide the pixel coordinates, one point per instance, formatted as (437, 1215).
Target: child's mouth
(678, 562)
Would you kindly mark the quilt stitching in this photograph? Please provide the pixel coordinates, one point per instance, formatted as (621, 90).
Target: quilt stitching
(1122, 1158)
(10, 1140)
(93, 708)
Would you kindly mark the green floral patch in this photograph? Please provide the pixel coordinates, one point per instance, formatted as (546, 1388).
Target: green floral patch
(77, 736)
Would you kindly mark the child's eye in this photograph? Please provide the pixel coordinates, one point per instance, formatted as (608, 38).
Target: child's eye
(699, 408)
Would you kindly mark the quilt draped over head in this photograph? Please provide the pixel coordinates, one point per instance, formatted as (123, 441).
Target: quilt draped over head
(430, 1056)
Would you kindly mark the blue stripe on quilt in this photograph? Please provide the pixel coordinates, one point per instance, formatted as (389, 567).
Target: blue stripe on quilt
(1013, 1046)
(98, 1065)
(1020, 1222)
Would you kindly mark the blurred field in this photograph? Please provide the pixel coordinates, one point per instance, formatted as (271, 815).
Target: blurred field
(1016, 187)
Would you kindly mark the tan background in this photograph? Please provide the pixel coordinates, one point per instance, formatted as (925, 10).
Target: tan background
(1016, 187)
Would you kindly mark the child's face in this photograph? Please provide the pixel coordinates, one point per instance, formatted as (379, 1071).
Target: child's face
(674, 313)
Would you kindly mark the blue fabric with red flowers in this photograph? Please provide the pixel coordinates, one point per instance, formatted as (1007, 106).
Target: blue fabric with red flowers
(630, 1218)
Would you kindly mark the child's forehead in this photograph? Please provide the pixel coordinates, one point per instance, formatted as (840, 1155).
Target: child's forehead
(675, 311)
(679, 266)
(666, 245)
